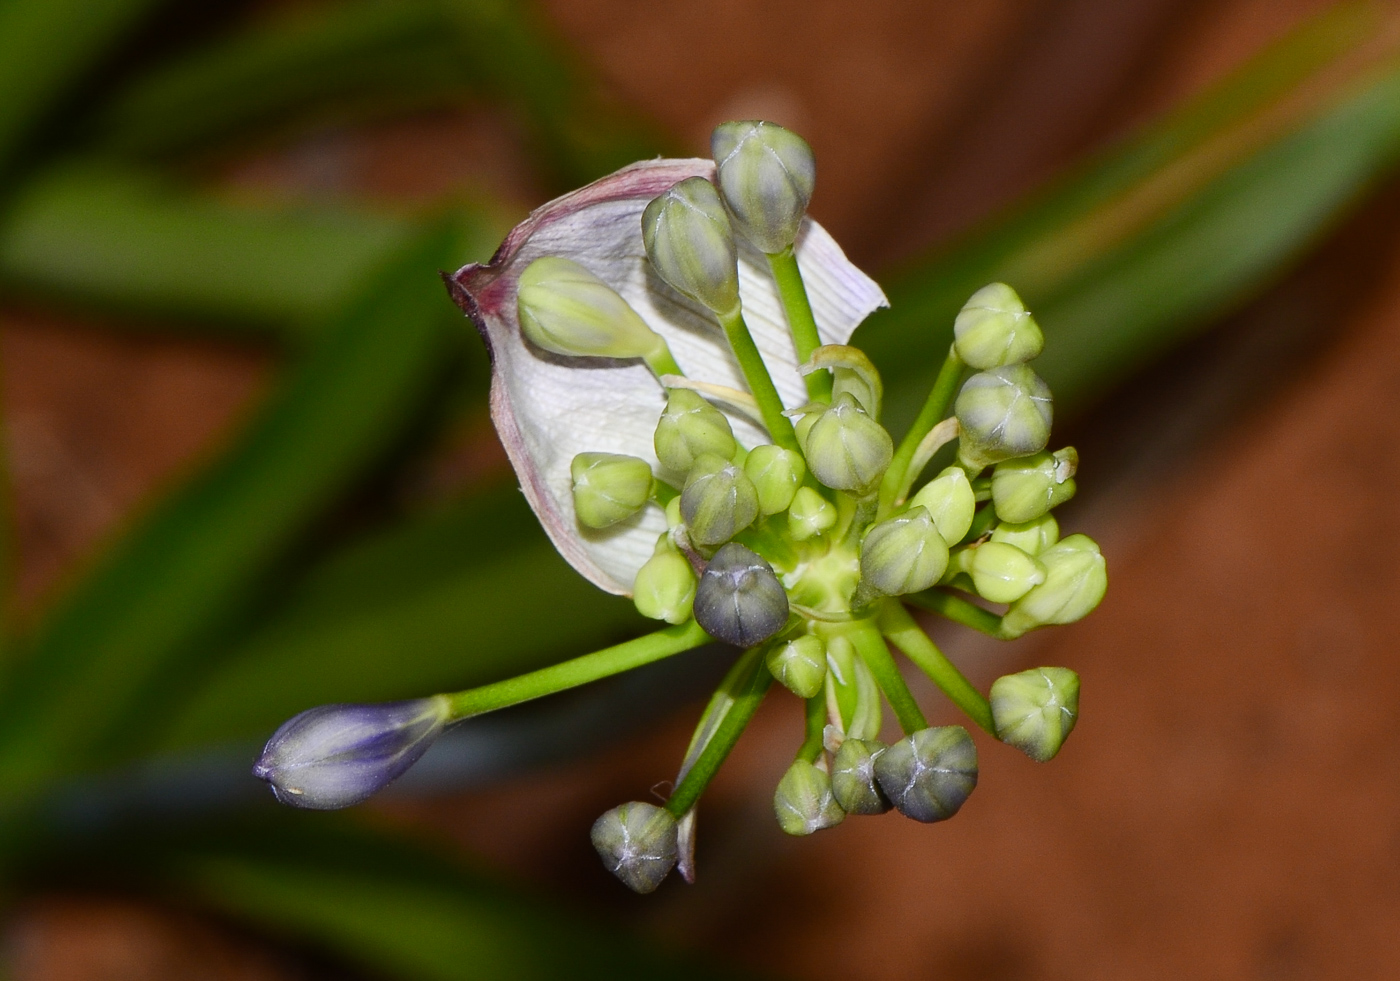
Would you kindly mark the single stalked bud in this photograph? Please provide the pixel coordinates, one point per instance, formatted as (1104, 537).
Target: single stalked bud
(929, 774)
(1003, 573)
(739, 600)
(718, 501)
(689, 241)
(637, 843)
(803, 801)
(905, 554)
(995, 328)
(853, 777)
(689, 428)
(950, 501)
(1076, 578)
(1031, 537)
(810, 514)
(1002, 413)
(1025, 488)
(566, 309)
(609, 487)
(846, 449)
(1035, 710)
(665, 584)
(336, 755)
(766, 174)
(776, 473)
(799, 665)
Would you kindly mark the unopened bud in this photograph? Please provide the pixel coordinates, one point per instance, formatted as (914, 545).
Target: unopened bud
(930, 774)
(689, 428)
(905, 554)
(609, 487)
(1003, 573)
(564, 308)
(810, 514)
(1035, 710)
(718, 501)
(803, 801)
(846, 449)
(799, 665)
(776, 473)
(766, 174)
(333, 756)
(665, 585)
(1027, 487)
(853, 777)
(1031, 537)
(637, 843)
(1076, 578)
(950, 501)
(689, 241)
(1002, 413)
(739, 600)
(995, 328)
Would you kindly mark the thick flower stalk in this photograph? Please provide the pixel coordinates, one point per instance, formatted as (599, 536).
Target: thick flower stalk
(672, 381)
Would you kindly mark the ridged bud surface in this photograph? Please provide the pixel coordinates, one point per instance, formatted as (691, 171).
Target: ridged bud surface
(718, 501)
(846, 449)
(799, 665)
(766, 174)
(564, 308)
(776, 473)
(1002, 413)
(1003, 573)
(994, 328)
(810, 515)
(1036, 710)
(739, 600)
(803, 802)
(950, 501)
(689, 428)
(905, 554)
(1076, 578)
(1031, 537)
(609, 487)
(930, 774)
(853, 777)
(637, 843)
(1025, 488)
(690, 243)
(665, 585)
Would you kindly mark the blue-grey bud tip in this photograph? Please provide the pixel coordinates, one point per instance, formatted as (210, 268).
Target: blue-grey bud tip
(739, 599)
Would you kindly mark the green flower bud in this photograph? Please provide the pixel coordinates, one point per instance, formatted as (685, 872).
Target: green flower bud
(950, 501)
(1035, 710)
(689, 241)
(776, 473)
(810, 514)
(853, 777)
(665, 585)
(1003, 413)
(689, 428)
(1025, 488)
(609, 488)
(766, 174)
(637, 843)
(800, 665)
(564, 308)
(1031, 537)
(739, 600)
(1076, 578)
(929, 774)
(1003, 573)
(846, 449)
(803, 801)
(718, 501)
(905, 554)
(994, 328)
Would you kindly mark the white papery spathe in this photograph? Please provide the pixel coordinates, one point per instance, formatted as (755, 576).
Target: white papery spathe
(548, 408)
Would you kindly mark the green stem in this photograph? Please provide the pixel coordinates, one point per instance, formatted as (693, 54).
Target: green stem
(962, 611)
(812, 745)
(909, 637)
(934, 410)
(805, 339)
(751, 685)
(982, 522)
(579, 671)
(770, 405)
(661, 362)
(871, 647)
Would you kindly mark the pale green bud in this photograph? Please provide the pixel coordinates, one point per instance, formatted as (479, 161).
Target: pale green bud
(566, 309)
(950, 501)
(846, 449)
(1002, 413)
(1003, 573)
(1076, 578)
(766, 174)
(905, 554)
(1025, 488)
(776, 473)
(637, 843)
(739, 599)
(689, 428)
(718, 501)
(689, 241)
(799, 665)
(810, 514)
(1031, 537)
(930, 774)
(803, 801)
(1035, 710)
(995, 328)
(665, 585)
(609, 487)
(853, 777)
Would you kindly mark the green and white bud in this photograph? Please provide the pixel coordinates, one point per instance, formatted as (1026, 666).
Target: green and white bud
(846, 449)
(994, 328)
(766, 174)
(1002, 413)
(739, 599)
(1003, 573)
(665, 584)
(718, 501)
(1031, 537)
(810, 515)
(609, 488)
(950, 501)
(637, 843)
(799, 665)
(564, 308)
(690, 243)
(1076, 578)
(853, 777)
(803, 801)
(930, 774)
(1035, 710)
(776, 473)
(689, 428)
(905, 554)
(1027, 487)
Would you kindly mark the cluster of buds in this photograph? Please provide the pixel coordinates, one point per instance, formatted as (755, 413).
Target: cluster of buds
(673, 383)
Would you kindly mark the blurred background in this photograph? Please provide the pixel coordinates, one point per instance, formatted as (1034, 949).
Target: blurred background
(250, 471)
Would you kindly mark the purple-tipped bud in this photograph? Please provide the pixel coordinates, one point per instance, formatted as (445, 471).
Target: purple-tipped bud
(333, 756)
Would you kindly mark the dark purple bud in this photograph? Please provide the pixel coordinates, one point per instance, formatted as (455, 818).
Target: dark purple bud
(739, 600)
(929, 774)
